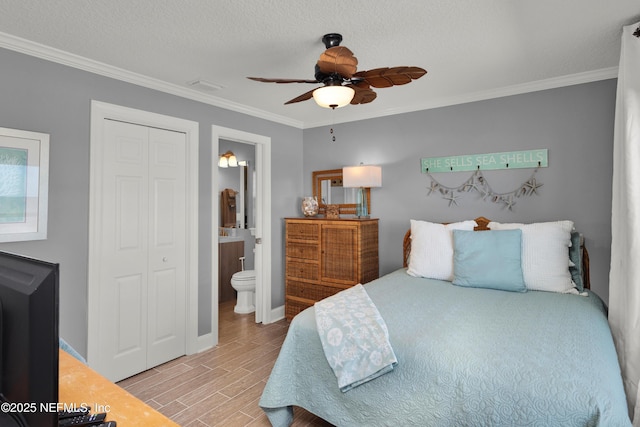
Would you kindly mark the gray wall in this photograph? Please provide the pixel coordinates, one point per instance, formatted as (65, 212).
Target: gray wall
(41, 96)
(575, 123)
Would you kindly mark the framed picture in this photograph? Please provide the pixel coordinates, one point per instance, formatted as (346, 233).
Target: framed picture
(24, 185)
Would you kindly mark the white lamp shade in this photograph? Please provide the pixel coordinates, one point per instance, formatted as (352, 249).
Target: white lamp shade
(223, 162)
(365, 176)
(233, 161)
(333, 96)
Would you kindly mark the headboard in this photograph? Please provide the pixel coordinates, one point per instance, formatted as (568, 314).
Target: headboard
(482, 226)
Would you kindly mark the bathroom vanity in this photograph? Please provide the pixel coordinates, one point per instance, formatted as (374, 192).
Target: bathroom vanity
(230, 249)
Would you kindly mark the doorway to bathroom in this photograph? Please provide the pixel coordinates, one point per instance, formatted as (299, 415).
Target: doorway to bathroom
(237, 219)
(241, 216)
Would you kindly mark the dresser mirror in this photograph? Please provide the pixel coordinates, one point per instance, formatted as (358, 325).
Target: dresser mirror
(328, 189)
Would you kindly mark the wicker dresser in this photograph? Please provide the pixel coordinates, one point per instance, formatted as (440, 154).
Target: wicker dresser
(325, 256)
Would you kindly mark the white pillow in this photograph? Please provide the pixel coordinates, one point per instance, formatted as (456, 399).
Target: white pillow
(432, 248)
(545, 254)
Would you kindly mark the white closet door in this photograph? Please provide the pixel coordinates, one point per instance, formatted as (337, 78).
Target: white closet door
(142, 286)
(167, 252)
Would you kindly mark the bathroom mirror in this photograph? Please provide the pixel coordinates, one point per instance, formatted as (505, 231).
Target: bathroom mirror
(328, 189)
(241, 180)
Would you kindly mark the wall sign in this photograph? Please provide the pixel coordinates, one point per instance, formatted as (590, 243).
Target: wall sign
(477, 183)
(490, 161)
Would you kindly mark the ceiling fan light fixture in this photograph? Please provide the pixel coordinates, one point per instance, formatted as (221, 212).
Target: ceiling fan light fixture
(333, 96)
(337, 70)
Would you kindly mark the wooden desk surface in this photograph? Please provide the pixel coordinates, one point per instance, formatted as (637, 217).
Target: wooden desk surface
(79, 384)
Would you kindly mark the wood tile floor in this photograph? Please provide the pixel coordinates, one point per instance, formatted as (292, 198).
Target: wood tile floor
(221, 386)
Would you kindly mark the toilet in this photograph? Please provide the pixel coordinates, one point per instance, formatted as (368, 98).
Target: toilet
(244, 282)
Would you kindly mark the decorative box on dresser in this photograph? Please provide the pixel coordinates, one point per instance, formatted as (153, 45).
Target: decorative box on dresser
(325, 256)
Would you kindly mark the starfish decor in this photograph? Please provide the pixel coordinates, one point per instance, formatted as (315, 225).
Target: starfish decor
(452, 198)
(478, 183)
(433, 187)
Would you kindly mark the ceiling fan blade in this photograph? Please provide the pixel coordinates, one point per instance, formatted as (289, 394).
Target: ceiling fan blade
(338, 59)
(387, 77)
(303, 97)
(364, 94)
(264, 80)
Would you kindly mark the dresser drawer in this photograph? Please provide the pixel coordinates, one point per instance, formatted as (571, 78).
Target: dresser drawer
(303, 231)
(302, 270)
(293, 306)
(312, 291)
(303, 250)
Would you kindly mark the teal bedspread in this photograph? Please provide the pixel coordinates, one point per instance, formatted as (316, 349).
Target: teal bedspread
(466, 357)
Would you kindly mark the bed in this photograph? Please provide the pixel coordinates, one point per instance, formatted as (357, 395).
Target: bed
(466, 355)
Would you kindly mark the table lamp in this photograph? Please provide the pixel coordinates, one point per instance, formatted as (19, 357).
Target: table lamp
(361, 177)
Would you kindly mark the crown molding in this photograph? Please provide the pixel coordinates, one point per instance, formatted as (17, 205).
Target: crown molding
(539, 85)
(48, 53)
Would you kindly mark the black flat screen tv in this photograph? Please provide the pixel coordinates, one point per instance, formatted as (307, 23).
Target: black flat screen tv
(29, 341)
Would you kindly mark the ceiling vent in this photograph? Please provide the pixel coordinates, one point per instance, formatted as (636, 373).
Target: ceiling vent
(204, 85)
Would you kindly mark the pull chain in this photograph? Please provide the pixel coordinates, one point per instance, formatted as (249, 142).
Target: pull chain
(333, 137)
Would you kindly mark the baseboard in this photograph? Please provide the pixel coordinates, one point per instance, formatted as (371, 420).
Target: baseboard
(277, 314)
(205, 342)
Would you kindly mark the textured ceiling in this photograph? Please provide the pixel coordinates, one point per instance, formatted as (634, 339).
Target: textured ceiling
(472, 49)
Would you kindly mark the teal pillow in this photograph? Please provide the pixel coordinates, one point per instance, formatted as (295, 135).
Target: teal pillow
(575, 255)
(488, 259)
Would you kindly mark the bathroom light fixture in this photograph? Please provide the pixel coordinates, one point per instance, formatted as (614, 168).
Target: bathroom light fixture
(333, 96)
(227, 159)
(361, 177)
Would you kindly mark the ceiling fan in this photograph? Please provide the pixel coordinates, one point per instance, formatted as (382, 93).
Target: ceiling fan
(342, 84)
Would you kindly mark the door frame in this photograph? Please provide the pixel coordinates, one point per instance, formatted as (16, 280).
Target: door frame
(101, 111)
(263, 219)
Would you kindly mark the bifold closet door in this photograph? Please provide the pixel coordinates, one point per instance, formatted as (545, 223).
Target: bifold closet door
(143, 237)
